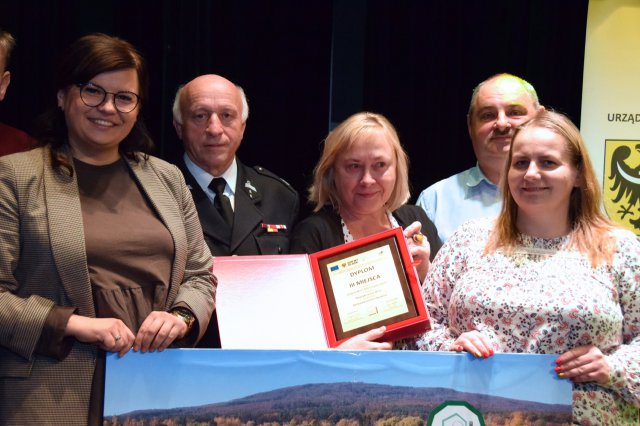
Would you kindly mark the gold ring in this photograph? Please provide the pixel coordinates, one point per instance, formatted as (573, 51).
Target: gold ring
(418, 238)
(118, 337)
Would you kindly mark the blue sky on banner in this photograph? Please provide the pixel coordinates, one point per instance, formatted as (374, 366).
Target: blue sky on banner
(192, 377)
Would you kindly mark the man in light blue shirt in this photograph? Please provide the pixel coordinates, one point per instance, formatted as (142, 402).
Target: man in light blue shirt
(498, 105)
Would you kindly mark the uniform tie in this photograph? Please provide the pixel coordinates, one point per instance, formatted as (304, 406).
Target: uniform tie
(221, 202)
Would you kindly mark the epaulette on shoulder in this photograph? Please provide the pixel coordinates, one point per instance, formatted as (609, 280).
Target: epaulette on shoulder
(264, 172)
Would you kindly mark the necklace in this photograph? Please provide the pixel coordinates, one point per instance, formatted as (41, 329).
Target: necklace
(347, 234)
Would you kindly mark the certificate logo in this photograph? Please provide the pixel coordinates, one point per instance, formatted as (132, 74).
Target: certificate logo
(622, 183)
(455, 413)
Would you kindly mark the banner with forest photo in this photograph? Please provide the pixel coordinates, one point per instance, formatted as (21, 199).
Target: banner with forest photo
(332, 387)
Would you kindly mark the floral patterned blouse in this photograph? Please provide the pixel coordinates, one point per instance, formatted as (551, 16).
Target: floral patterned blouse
(544, 298)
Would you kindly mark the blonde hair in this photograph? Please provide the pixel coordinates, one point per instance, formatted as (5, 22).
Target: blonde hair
(7, 43)
(323, 191)
(590, 229)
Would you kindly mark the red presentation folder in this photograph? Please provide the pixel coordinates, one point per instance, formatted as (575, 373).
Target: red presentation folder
(320, 300)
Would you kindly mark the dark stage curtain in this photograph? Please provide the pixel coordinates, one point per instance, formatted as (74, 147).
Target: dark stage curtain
(306, 64)
(423, 60)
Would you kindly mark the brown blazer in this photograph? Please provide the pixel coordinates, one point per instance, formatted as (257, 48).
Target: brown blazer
(43, 263)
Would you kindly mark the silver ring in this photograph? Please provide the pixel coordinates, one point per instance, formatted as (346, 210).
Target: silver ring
(418, 238)
(118, 337)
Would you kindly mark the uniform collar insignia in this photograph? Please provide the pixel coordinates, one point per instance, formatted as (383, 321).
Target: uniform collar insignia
(251, 190)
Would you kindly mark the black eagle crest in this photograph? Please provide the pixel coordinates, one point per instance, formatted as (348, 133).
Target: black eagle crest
(626, 181)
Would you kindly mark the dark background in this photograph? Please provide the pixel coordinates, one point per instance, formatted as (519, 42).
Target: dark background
(306, 65)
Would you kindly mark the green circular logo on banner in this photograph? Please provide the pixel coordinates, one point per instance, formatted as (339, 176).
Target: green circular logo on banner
(455, 413)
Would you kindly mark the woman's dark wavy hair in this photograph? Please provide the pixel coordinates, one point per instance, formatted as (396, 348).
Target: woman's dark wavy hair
(85, 58)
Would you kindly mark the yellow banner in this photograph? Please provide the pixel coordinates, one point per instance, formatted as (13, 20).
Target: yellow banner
(611, 105)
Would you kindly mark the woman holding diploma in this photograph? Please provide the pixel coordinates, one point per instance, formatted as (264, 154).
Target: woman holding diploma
(550, 275)
(102, 250)
(360, 188)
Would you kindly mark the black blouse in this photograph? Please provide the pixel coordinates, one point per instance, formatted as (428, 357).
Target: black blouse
(323, 229)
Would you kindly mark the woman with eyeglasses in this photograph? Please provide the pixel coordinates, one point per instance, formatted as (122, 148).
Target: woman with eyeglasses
(102, 250)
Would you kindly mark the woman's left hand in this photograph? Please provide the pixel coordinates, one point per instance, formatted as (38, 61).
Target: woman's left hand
(419, 249)
(158, 331)
(473, 342)
(584, 364)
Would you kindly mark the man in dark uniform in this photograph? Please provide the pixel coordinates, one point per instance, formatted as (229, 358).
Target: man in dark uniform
(243, 210)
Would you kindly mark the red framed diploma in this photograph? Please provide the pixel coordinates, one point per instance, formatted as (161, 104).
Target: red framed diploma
(301, 301)
(368, 283)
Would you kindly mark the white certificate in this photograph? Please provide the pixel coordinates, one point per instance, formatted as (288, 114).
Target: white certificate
(366, 285)
(366, 288)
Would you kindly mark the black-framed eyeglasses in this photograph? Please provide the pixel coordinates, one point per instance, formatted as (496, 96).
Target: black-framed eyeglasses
(93, 95)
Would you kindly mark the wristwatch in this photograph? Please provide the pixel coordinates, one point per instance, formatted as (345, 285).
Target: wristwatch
(185, 315)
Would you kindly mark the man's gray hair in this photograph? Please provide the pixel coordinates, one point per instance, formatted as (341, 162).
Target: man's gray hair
(528, 87)
(177, 113)
(7, 43)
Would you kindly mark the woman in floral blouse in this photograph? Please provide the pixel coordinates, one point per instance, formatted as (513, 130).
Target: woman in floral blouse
(550, 275)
